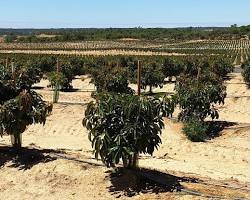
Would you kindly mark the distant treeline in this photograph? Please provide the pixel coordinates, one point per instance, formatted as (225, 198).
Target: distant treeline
(83, 34)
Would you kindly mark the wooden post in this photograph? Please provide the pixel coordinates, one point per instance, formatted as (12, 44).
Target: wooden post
(57, 65)
(135, 159)
(13, 71)
(12, 68)
(199, 73)
(6, 63)
(16, 139)
(57, 87)
(139, 78)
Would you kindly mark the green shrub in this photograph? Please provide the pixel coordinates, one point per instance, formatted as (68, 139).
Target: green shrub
(195, 130)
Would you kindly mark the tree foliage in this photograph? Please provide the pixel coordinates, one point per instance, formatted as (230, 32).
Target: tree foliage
(19, 105)
(195, 130)
(172, 68)
(111, 79)
(24, 75)
(122, 126)
(222, 67)
(152, 76)
(197, 97)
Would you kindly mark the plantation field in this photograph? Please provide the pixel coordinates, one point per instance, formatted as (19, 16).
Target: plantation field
(64, 167)
(132, 44)
(96, 53)
(192, 46)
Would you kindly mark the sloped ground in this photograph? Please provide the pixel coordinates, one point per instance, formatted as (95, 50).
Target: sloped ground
(62, 166)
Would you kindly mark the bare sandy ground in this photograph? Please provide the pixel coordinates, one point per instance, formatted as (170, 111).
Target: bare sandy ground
(63, 167)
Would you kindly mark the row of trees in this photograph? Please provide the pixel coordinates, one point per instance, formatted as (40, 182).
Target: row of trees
(123, 125)
(32, 35)
(154, 73)
(111, 114)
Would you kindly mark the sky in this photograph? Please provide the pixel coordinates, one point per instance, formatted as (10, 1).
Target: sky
(122, 13)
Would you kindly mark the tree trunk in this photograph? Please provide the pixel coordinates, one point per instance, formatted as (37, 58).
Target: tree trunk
(133, 161)
(150, 89)
(16, 141)
(125, 161)
(56, 94)
(170, 79)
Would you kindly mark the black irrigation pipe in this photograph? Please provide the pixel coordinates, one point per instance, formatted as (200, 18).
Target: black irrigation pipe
(66, 103)
(184, 190)
(72, 103)
(80, 161)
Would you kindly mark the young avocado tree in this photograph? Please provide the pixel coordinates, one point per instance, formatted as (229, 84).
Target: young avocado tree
(111, 79)
(56, 79)
(62, 75)
(152, 76)
(60, 79)
(172, 68)
(19, 105)
(222, 67)
(197, 98)
(121, 126)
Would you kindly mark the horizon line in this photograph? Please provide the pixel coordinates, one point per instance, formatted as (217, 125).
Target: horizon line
(124, 26)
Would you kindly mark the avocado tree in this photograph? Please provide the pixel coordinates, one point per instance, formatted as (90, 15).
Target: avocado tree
(56, 79)
(152, 76)
(19, 106)
(197, 99)
(221, 67)
(121, 126)
(111, 79)
(61, 77)
(172, 68)
(26, 74)
(68, 75)
(63, 73)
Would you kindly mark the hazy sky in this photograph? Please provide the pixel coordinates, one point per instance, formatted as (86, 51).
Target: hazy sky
(122, 13)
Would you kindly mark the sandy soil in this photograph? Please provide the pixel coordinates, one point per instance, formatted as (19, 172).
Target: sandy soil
(62, 164)
(46, 36)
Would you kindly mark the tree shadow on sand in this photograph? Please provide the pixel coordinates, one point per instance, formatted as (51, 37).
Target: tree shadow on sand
(126, 182)
(25, 158)
(215, 128)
